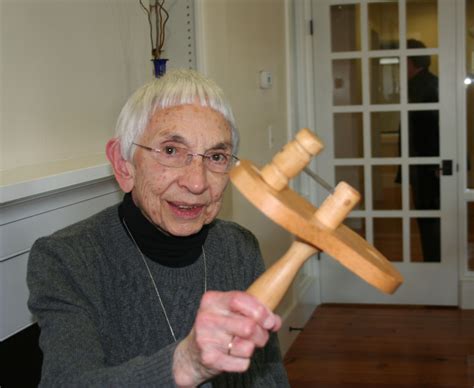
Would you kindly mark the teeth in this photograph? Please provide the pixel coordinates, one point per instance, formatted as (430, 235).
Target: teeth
(186, 206)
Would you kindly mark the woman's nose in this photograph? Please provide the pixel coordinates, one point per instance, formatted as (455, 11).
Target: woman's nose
(194, 175)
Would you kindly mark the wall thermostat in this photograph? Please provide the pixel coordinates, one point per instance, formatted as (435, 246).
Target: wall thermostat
(266, 79)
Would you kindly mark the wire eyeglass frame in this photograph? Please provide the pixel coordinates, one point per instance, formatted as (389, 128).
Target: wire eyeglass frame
(183, 158)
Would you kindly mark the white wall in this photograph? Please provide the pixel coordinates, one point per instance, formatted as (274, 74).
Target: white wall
(67, 66)
(239, 39)
(64, 77)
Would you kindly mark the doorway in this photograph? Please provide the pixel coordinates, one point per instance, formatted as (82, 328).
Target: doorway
(387, 117)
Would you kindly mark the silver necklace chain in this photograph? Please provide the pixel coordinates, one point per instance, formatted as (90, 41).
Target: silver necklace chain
(153, 280)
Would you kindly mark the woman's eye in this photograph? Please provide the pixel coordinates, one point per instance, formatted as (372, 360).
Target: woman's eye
(170, 150)
(218, 157)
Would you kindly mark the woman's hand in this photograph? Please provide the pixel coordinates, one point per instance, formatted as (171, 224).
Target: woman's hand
(228, 328)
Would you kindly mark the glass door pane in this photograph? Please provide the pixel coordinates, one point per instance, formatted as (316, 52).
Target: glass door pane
(385, 134)
(385, 80)
(388, 237)
(345, 27)
(347, 83)
(422, 21)
(383, 25)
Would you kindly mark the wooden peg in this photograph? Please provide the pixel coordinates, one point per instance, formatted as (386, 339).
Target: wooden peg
(337, 206)
(290, 161)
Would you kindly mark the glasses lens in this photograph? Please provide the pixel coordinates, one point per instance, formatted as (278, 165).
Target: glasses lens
(219, 161)
(171, 156)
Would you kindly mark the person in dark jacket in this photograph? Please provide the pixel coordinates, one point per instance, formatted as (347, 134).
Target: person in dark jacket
(423, 140)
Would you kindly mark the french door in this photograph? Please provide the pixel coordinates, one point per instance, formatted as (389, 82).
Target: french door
(386, 114)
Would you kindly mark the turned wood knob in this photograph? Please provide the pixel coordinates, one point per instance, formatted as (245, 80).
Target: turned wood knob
(337, 206)
(292, 159)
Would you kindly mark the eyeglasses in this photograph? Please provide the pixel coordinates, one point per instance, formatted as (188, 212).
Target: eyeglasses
(173, 156)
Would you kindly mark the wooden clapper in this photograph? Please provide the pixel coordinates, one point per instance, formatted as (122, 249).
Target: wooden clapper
(316, 228)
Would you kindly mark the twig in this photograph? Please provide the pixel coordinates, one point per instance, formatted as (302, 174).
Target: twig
(163, 21)
(160, 20)
(150, 25)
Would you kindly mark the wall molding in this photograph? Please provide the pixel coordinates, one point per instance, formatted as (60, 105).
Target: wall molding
(49, 184)
(297, 314)
(466, 293)
(38, 210)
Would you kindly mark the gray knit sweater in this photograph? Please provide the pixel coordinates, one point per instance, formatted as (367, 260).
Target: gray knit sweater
(100, 318)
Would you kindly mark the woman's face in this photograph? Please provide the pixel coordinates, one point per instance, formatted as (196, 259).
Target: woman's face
(181, 200)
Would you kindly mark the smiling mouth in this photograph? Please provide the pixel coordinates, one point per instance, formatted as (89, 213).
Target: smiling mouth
(185, 210)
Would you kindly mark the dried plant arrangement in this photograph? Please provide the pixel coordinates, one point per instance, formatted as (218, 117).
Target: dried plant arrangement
(157, 16)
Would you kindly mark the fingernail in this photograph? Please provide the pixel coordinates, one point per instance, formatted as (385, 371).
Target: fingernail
(269, 322)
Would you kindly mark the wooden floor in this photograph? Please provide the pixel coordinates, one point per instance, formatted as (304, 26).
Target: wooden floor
(383, 346)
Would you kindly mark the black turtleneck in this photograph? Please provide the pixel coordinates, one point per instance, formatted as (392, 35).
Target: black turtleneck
(165, 249)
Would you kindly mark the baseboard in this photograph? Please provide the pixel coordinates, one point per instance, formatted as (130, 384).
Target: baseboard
(466, 293)
(298, 313)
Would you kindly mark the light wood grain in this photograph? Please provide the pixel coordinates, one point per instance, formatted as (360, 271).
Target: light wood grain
(272, 285)
(291, 160)
(317, 228)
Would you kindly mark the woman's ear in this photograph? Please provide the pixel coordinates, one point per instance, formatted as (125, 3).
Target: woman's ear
(123, 169)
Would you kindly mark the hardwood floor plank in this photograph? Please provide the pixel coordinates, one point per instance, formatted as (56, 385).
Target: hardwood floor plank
(384, 346)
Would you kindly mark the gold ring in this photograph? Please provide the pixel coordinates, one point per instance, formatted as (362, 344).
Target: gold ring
(229, 346)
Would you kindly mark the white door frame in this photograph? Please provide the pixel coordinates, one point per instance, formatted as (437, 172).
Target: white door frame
(305, 102)
(301, 72)
(466, 278)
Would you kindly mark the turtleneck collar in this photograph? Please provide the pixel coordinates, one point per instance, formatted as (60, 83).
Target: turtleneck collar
(171, 251)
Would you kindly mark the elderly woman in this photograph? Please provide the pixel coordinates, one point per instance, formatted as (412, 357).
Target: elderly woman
(144, 293)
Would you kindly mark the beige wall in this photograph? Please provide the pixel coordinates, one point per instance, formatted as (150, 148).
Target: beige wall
(241, 38)
(67, 68)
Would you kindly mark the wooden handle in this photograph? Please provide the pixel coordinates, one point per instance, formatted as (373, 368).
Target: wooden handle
(273, 284)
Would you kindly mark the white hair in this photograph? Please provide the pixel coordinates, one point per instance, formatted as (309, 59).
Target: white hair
(176, 87)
